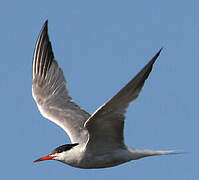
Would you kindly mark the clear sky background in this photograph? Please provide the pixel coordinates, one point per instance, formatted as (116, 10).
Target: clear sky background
(101, 45)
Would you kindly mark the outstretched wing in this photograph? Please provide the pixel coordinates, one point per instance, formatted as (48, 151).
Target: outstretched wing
(106, 125)
(50, 93)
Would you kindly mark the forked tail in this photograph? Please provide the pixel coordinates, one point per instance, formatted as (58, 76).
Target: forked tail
(137, 154)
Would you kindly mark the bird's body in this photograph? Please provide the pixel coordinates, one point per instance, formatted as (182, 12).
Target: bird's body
(81, 157)
(97, 139)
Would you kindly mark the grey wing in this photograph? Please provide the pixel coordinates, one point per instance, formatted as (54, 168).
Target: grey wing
(106, 125)
(50, 93)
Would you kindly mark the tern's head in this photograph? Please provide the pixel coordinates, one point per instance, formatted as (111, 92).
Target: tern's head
(58, 153)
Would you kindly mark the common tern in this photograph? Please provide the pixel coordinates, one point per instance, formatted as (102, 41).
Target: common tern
(97, 139)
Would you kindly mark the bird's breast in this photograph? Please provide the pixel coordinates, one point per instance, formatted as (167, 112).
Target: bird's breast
(89, 160)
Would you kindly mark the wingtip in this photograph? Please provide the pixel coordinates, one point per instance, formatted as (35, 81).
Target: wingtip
(158, 53)
(156, 56)
(45, 26)
(42, 35)
(46, 22)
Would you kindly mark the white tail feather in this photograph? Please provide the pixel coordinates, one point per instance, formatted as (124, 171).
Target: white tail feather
(137, 154)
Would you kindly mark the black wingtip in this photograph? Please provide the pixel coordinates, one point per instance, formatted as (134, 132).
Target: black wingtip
(158, 53)
(46, 23)
(156, 56)
(45, 26)
(43, 48)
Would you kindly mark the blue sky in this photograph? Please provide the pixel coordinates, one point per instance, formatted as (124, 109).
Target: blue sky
(101, 45)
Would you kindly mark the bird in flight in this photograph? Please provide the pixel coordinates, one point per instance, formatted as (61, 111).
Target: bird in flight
(97, 139)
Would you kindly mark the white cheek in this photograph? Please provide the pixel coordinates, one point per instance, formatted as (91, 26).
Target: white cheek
(60, 156)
